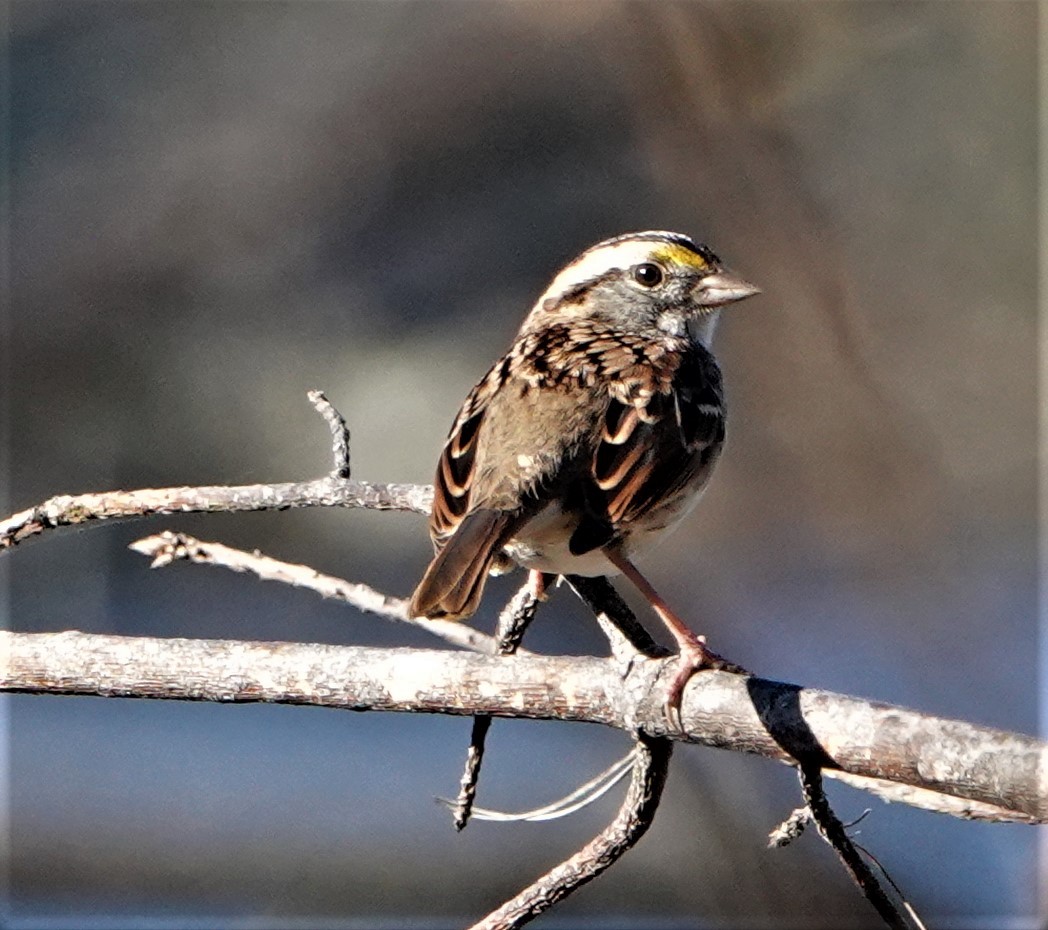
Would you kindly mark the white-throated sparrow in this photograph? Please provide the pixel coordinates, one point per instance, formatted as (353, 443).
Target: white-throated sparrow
(593, 434)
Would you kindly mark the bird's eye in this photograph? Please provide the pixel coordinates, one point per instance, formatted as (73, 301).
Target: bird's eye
(648, 274)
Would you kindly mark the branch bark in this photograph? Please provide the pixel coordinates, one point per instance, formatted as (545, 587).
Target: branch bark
(982, 773)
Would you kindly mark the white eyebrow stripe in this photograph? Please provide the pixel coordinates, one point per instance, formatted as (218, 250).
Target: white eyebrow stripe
(597, 261)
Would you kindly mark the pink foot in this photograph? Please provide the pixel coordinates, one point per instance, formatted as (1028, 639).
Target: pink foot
(538, 584)
(694, 656)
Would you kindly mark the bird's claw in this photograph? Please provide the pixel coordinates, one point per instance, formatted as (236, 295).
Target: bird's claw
(693, 656)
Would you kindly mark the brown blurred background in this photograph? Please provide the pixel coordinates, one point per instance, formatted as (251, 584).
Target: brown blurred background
(217, 206)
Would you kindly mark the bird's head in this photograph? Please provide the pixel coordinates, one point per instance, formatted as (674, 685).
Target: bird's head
(644, 282)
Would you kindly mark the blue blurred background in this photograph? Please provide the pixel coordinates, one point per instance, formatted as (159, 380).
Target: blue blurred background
(215, 207)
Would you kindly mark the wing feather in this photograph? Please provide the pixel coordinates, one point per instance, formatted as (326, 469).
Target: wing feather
(453, 484)
(652, 448)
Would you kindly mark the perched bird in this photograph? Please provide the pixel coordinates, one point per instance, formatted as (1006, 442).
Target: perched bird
(594, 434)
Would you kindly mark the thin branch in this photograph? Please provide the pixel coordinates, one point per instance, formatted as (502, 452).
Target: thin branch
(516, 616)
(462, 806)
(339, 434)
(909, 908)
(832, 831)
(335, 490)
(625, 634)
(514, 619)
(991, 767)
(86, 509)
(168, 547)
(651, 764)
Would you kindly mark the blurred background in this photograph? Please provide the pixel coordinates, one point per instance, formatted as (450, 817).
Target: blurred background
(215, 207)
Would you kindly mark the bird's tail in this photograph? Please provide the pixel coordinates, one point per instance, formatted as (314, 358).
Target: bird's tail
(454, 582)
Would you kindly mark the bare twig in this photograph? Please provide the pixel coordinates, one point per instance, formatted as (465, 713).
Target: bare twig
(335, 490)
(513, 621)
(86, 509)
(167, 547)
(517, 615)
(462, 807)
(911, 912)
(791, 828)
(832, 830)
(625, 634)
(633, 819)
(339, 434)
(994, 768)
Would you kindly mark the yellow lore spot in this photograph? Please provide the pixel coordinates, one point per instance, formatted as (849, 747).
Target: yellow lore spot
(672, 254)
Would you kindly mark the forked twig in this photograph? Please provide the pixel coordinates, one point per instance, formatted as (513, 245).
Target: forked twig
(83, 509)
(331, 491)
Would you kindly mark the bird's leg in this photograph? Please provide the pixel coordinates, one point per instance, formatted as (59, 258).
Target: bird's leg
(538, 582)
(693, 654)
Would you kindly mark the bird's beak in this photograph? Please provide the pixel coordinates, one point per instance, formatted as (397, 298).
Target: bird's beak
(723, 287)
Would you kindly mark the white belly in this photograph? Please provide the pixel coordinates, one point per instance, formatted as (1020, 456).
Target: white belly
(542, 544)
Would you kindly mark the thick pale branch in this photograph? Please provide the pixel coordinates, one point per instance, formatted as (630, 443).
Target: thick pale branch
(984, 768)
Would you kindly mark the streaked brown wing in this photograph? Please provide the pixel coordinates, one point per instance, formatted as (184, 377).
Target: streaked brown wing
(465, 539)
(498, 467)
(650, 454)
(454, 479)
